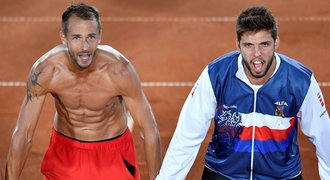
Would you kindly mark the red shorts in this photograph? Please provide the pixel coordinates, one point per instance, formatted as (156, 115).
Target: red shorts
(70, 159)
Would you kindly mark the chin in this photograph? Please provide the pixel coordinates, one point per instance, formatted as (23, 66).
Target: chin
(84, 65)
(259, 75)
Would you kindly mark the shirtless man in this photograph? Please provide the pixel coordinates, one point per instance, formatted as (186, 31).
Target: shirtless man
(92, 86)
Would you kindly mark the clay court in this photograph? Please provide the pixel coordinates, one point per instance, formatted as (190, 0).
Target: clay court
(168, 42)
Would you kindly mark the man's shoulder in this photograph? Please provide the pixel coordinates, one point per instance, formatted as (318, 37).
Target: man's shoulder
(294, 65)
(119, 69)
(116, 62)
(47, 64)
(109, 53)
(42, 71)
(224, 62)
(51, 57)
(226, 58)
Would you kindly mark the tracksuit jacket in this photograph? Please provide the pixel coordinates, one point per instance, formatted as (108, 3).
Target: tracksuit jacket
(255, 127)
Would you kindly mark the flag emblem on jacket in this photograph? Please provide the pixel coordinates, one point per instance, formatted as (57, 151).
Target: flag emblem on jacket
(279, 108)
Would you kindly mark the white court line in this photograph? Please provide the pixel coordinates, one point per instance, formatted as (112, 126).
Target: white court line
(167, 84)
(163, 19)
(11, 84)
(144, 84)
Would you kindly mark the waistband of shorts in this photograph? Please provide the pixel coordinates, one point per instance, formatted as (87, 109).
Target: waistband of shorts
(58, 138)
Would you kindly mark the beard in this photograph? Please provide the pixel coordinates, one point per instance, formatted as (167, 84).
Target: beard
(75, 58)
(255, 75)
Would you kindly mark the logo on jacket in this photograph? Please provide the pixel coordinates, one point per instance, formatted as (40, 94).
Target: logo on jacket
(228, 126)
(319, 96)
(279, 108)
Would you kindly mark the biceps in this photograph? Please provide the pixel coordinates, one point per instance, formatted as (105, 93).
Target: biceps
(140, 111)
(137, 103)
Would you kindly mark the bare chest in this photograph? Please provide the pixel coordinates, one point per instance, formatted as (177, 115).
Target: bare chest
(93, 91)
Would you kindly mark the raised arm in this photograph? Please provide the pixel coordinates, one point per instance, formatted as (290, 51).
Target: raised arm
(26, 123)
(129, 85)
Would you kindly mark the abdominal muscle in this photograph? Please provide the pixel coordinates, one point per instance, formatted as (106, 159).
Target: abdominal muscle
(85, 124)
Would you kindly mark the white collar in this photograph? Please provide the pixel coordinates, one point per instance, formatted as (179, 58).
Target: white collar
(240, 74)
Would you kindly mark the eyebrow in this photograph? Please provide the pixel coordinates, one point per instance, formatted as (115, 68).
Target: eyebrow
(258, 43)
(78, 35)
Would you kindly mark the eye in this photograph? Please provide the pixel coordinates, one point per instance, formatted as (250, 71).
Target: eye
(265, 44)
(91, 38)
(248, 45)
(75, 37)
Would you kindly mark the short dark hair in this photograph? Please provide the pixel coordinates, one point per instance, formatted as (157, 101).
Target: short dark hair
(255, 19)
(82, 11)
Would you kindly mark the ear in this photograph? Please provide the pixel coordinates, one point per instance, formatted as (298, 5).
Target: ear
(237, 44)
(63, 38)
(100, 36)
(277, 42)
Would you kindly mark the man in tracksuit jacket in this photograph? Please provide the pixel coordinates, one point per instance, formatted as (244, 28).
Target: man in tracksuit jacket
(257, 98)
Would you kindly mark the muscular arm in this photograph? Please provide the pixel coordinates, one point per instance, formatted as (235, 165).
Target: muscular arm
(140, 109)
(25, 127)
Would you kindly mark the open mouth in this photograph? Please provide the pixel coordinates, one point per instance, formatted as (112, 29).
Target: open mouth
(84, 57)
(258, 66)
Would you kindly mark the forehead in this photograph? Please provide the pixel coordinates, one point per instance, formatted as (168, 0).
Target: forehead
(76, 25)
(259, 36)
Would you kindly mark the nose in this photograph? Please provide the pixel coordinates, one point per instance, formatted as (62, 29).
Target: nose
(85, 44)
(257, 51)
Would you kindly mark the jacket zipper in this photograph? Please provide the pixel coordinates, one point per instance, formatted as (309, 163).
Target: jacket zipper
(253, 132)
